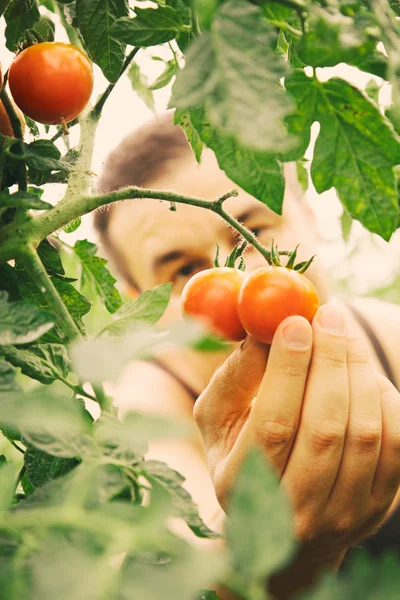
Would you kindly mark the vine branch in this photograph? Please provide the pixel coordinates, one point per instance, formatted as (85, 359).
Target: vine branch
(17, 129)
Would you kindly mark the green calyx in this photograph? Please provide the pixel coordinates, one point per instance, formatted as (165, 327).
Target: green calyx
(291, 262)
(233, 257)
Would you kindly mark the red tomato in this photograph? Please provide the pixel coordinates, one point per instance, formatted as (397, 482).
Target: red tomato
(51, 81)
(5, 124)
(269, 295)
(213, 296)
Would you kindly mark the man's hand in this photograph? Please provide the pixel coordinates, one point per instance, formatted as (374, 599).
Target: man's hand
(328, 423)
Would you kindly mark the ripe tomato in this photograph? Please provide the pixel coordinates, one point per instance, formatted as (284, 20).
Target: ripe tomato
(269, 295)
(5, 124)
(51, 81)
(213, 296)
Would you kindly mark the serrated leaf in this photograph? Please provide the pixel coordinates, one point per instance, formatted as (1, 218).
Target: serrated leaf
(19, 19)
(258, 173)
(3, 6)
(140, 85)
(51, 259)
(234, 73)
(96, 275)
(147, 309)
(43, 362)
(166, 76)
(95, 19)
(24, 200)
(259, 524)
(7, 376)
(182, 502)
(334, 38)
(355, 151)
(22, 322)
(150, 27)
(42, 467)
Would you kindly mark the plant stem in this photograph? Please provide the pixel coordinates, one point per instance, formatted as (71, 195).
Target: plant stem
(96, 111)
(17, 129)
(31, 261)
(16, 446)
(102, 398)
(38, 228)
(285, 27)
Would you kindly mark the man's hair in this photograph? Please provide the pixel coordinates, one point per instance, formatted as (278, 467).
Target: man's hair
(140, 158)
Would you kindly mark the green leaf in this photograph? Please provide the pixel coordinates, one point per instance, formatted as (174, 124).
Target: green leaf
(7, 485)
(183, 505)
(373, 89)
(171, 68)
(182, 118)
(346, 223)
(3, 6)
(25, 200)
(259, 524)
(3, 460)
(147, 309)
(150, 27)
(234, 73)
(50, 422)
(73, 225)
(126, 439)
(22, 322)
(20, 15)
(355, 151)
(43, 160)
(206, 595)
(51, 259)
(42, 467)
(334, 38)
(95, 20)
(44, 362)
(140, 85)
(7, 376)
(302, 174)
(96, 275)
(258, 173)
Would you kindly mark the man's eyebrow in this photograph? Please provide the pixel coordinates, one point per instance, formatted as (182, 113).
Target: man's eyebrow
(163, 259)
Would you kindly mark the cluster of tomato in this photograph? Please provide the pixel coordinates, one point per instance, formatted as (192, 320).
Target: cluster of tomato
(234, 304)
(50, 82)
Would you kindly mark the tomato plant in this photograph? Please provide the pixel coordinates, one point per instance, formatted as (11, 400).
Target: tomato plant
(213, 296)
(269, 295)
(51, 82)
(77, 488)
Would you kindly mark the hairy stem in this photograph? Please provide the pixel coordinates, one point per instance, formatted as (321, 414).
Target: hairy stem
(38, 273)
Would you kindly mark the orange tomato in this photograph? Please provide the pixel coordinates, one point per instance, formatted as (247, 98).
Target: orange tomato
(269, 295)
(212, 295)
(51, 82)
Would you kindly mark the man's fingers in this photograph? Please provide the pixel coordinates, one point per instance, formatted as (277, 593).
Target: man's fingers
(315, 458)
(351, 494)
(276, 410)
(387, 477)
(225, 402)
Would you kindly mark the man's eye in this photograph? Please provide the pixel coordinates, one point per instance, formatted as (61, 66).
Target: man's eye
(188, 269)
(256, 230)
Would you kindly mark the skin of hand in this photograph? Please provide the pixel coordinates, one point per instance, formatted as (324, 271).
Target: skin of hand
(327, 422)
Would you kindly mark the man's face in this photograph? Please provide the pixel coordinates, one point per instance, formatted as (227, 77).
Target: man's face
(159, 245)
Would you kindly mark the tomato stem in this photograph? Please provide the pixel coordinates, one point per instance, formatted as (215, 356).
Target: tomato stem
(17, 129)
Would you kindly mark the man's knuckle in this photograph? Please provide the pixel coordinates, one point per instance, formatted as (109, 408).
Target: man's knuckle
(275, 434)
(294, 370)
(325, 437)
(367, 436)
(334, 360)
(304, 528)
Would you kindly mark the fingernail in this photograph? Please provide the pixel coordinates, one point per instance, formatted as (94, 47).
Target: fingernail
(331, 318)
(297, 335)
